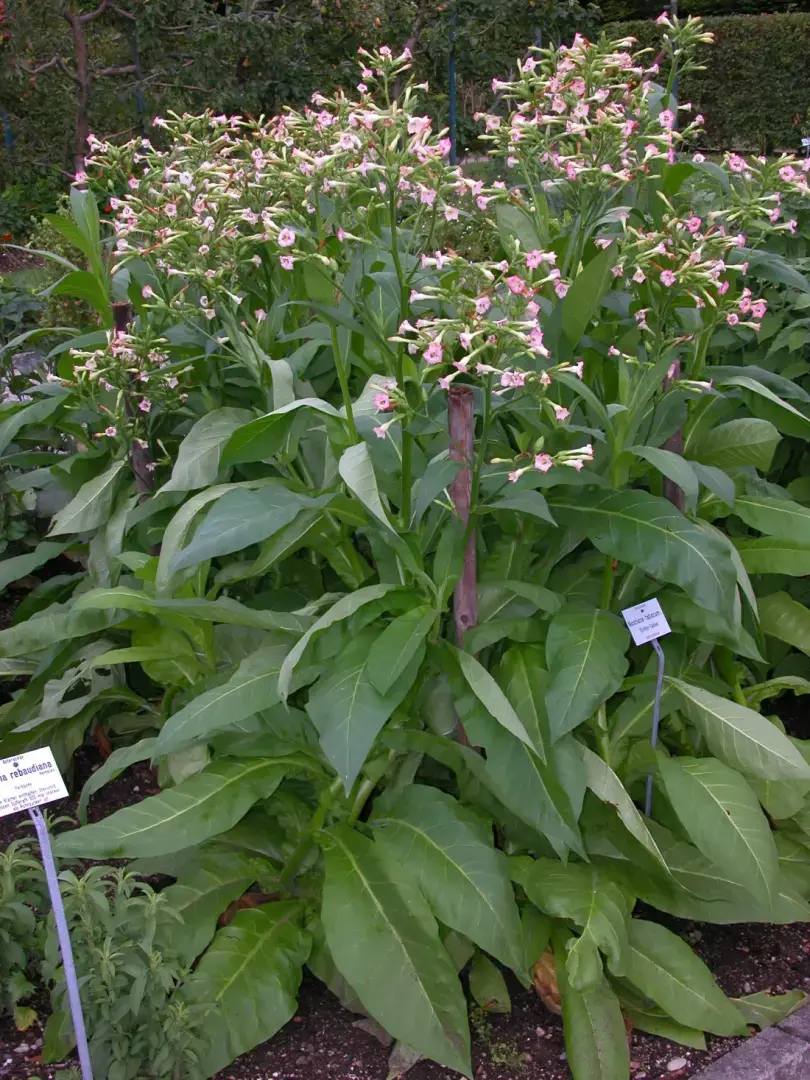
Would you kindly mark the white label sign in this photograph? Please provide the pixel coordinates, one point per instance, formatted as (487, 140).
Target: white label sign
(28, 780)
(646, 621)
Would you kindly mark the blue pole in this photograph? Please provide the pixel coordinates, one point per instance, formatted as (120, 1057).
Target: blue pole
(451, 77)
(659, 686)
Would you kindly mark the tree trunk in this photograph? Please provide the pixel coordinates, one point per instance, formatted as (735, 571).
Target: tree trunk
(82, 93)
(462, 431)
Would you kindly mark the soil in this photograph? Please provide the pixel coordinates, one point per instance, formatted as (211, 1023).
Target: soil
(323, 1042)
(12, 261)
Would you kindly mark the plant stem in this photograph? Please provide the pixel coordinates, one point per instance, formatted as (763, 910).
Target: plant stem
(344, 385)
(602, 737)
(607, 583)
(305, 843)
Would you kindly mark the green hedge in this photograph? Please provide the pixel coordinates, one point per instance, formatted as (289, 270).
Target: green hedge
(621, 10)
(755, 91)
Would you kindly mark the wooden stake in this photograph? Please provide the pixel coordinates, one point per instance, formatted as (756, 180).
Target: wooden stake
(139, 456)
(462, 431)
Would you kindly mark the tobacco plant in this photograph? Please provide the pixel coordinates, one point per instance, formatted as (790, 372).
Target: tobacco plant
(358, 516)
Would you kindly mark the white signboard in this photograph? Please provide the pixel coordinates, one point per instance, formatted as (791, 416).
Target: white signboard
(27, 780)
(646, 621)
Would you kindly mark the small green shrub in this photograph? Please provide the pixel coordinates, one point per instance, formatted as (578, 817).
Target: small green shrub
(22, 889)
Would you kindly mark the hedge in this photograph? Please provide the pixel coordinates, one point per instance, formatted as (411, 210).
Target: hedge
(755, 91)
(621, 10)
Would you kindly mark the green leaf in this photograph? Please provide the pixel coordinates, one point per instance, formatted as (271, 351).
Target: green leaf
(595, 1035)
(527, 786)
(92, 505)
(663, 967)
(686, 617)
(52, 628)
(648, 1017)
(766, 1009)
(607, 787)
(647, 532)
(357, 471)
(119, 760)
(716, 481)
(248, 979)
(197, 463)
(241, 518)
(585, 294)
(747, 441)
(722, 816)
(524, 679)
(21, 565)
(783, 518)
(397, 645)
(385, 942)
(597, 905)
(200, 897)
(349, 712)
(85, 286)
(741, 737)
(491, 696)
(30, 414)
(782, 617)
(488, 986)
(344, 607)
(180, 817)
(755, 695)
(464, 879)
(770, 555)
(585, 651)
(437, 477)
(263, 437)
(785, 416)
(674, 467)
(254, 686)
(525, 502)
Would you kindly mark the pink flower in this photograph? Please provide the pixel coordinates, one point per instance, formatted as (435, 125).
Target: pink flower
(561, 289)
(787, 173)
(736, 163)
(286, 261)
(147, 292)
(666, 119)
(667, 278)
(516, 284)
(433, 353)
(286, 238)
(543, 462)
(444, 147)
(451, 213)
(379, 432)
(482, 201)
(534, 259)
(382, 402)
(260, 315)
(792, 225)
(133, 183)
(110, 431)
(561, 413)
(512, 378)
(639, 276)
(482, 305)
(693, 223)
(532, 309)
(732, 318)
(145, 405)
(427, 196)
(758, 309)
(723, 287)
(579, 368)
(171, 210)
(514, 476)
(536, 341)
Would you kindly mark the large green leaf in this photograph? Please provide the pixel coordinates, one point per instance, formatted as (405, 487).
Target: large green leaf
(688, 618)
(20, 565)
(765, 403)
(248, 979)
(92, 504)
(649, 533)
(770, 555)
(607, 787)
(525, 784)
(585, 651)
(241, 518)
(180, 817)
(585, 294)
(783, 518)
(263, 437)
(592, 902)
(385, 942)
(54, 627)
(488, 986)
(491, 696)
(346, 606)
(119, 760)
(663, 967)
(524, 679)
(782, 617)
(252, 687)
(30, 414)
(747, 441)
(464, 879)
(722, 816)
(356, 469)
(675, 467)
(197, 461)
(201, 895)
(648, 1017)
(595, 1035)
(347, 709)
(397, 645)
(741, 737)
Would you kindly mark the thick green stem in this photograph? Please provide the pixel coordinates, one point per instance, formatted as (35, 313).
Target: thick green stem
(600, 724)
(303, 846)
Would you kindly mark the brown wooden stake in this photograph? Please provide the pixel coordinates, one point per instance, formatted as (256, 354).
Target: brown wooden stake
(675, 445)
(462, 430)
(139, 456)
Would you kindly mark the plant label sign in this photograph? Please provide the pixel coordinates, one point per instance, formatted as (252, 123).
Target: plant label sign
(28, 780)
(646, 621)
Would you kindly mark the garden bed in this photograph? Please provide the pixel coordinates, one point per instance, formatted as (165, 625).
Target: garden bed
(323, 1042)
